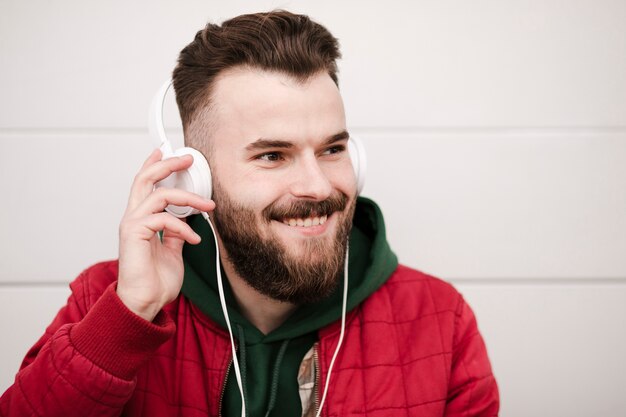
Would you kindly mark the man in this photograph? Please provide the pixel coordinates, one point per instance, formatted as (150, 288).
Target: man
(145, 335)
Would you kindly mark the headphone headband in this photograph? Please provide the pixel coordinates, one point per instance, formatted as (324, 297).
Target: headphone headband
(155, 125)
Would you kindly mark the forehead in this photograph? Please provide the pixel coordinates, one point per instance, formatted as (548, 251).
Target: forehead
(250, 104)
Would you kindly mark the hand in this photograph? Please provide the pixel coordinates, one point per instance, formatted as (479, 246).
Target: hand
(151, 271)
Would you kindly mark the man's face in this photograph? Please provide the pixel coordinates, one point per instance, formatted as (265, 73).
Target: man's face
(283, 181)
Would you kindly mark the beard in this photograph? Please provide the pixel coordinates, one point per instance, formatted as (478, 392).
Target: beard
(264, 262)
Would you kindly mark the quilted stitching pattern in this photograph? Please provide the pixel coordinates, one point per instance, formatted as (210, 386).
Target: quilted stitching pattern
(411, 349)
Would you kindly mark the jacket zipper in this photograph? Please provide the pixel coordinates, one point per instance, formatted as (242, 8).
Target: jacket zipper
(219, 411)
(318, 378)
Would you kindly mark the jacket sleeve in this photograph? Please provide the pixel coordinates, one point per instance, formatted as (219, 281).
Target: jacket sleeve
(86, 362)
(473, 391)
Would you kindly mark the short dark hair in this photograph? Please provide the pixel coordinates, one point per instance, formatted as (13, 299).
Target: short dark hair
(275, 41)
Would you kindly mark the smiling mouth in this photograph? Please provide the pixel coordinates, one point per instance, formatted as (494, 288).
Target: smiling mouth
(305, 222)
(305, 213)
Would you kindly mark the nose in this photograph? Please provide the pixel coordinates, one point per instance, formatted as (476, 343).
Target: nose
(308, 180)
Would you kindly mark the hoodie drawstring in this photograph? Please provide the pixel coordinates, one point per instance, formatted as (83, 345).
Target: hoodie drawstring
(274, 385)
(275, 374)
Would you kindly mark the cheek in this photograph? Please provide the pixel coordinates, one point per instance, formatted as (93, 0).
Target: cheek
(242, 183)
(343, 178)
(256, 194)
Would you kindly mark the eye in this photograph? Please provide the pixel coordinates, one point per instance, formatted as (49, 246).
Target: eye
(335, 149)
(270, 157)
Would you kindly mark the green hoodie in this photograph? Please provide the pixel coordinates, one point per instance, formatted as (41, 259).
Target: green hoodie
(269, 363)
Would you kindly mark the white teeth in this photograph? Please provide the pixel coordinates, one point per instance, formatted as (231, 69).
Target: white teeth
(308, 222)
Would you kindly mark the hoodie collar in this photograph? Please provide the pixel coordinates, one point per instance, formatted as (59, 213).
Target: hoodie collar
(371, 263)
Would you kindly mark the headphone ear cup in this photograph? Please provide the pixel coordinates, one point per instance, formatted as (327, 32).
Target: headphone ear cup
(195, 179)
(359, 161)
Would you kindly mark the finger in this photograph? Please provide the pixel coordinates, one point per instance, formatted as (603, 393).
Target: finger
(157, 201)
(146, 228)
(155, 156)
(174, 244)
(152, 173)
(173, 241)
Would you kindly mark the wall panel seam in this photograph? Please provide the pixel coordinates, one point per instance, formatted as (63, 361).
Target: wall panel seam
(529, 130)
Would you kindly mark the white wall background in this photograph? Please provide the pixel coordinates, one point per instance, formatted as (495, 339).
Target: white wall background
(496, 132)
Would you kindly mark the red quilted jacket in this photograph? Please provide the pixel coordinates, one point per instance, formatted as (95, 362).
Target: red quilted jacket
(411, 349)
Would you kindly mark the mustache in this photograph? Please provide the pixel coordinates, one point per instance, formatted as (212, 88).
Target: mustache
(300, 209)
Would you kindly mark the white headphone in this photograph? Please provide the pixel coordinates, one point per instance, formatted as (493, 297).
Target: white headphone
(197, 178)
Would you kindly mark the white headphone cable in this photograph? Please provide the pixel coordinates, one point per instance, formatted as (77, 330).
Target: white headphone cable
(220, 288)
(341, 334)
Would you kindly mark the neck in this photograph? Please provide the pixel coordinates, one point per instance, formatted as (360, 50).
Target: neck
(265, 313)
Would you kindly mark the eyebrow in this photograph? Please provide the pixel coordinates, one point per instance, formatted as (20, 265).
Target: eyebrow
(262, 143)
(337, 137)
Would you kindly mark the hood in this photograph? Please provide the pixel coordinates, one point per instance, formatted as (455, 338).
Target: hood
(371, 262)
